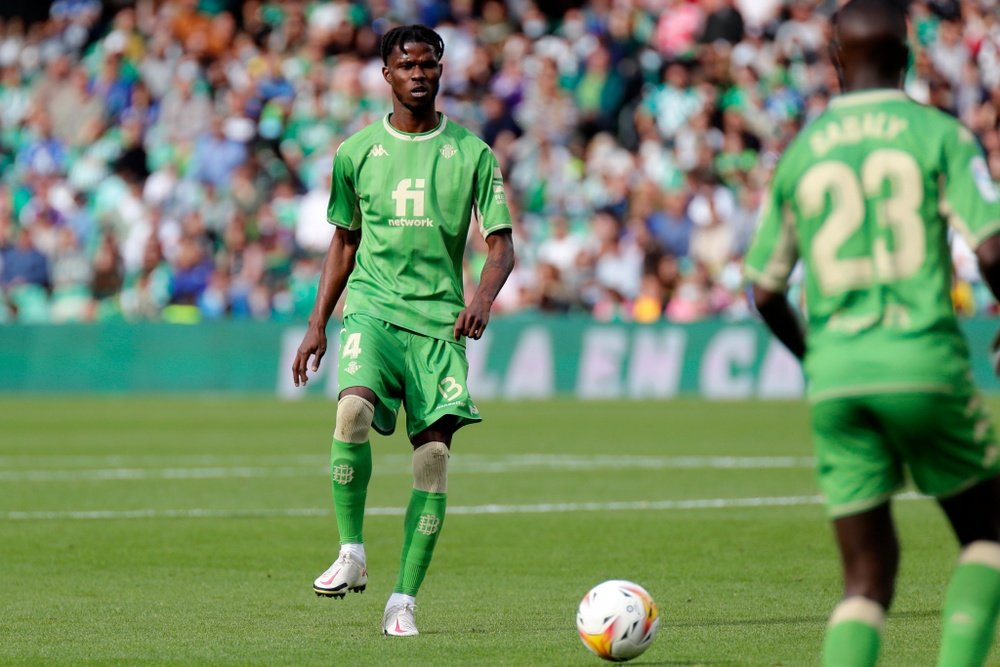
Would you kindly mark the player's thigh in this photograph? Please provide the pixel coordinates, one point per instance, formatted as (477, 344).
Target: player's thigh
(856, 467)
(372, 355)
(436, 384)
(947, 440)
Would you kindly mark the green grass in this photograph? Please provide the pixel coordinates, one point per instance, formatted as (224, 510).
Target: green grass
(736, 585)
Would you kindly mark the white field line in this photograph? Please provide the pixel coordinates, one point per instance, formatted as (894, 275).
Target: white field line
(398, 465)
(540, 508)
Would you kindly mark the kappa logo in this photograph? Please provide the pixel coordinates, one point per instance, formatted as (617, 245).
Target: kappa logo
(342, 474)
(428, 524)
(378, 150)
(448, 151)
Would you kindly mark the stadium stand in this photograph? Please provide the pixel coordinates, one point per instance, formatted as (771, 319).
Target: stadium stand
(169, 160)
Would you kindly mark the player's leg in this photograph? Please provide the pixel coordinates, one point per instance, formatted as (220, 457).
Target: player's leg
(857, 473)
(957, 462)
(972, 602)
(365, 366)
(869, 554)
(422, 524)
(437, 404)
(350, 473)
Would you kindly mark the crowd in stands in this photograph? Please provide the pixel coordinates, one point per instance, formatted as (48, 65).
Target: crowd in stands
(169, 159)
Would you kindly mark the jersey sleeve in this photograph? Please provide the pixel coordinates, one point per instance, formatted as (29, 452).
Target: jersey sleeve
(774, 249)
(491, 210)
(343, 210)
(969, 198)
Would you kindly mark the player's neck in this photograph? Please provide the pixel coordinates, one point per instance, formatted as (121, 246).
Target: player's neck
(414, 121)
(860, 81)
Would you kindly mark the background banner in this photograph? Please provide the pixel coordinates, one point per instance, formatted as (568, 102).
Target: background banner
(520, 357)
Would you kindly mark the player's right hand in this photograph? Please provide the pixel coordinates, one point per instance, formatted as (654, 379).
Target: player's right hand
(313, 345)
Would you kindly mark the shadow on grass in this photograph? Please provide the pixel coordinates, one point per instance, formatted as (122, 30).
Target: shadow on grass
(787, 620)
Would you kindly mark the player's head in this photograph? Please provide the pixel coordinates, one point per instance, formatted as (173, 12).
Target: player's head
(869, 43)
(412, 64)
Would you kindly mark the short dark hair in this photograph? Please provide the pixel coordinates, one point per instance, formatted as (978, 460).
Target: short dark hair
(404, 34)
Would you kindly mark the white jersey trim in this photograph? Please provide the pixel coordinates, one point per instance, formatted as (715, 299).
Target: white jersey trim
(414, 137)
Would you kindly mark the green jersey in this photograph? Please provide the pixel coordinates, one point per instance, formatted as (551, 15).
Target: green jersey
(414, 196)
(864, 197)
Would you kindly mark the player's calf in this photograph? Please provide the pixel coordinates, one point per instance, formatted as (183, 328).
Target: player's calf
(971, 606)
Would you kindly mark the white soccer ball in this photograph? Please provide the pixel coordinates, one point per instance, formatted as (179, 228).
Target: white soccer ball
(617, 620)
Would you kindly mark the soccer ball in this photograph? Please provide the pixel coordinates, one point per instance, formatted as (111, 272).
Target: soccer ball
(617, 620)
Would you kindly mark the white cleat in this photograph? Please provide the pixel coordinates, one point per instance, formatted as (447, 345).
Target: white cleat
(346, 574)
(398, 621)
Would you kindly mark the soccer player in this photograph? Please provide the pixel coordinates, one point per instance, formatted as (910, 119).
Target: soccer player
(864, 197)
(404, 193)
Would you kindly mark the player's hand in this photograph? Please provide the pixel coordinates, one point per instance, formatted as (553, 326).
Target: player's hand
(472, 321)
(313, 345)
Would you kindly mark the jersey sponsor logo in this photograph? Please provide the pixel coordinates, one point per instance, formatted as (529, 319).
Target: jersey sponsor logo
(448, 151)
(983, 180)
(378, 150)
(409, 198)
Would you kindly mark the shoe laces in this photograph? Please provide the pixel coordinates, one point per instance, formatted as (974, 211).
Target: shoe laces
(402, 608)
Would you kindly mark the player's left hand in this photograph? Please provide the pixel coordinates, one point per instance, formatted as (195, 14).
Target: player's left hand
(472, 321)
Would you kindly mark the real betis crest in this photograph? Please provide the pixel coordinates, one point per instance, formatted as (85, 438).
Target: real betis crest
(448, 150)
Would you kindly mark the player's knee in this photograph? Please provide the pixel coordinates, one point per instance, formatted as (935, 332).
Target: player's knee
(354, 418)
(982, 552)
(430, 467)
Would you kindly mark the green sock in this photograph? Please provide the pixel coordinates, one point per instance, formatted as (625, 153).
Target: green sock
(424, 519)
(970, 612)
(853, 636)
(350, 471)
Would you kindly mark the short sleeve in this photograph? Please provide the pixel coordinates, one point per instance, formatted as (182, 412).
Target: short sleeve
(491, 209)
(774, 251)
(343, 210)
(969, 197)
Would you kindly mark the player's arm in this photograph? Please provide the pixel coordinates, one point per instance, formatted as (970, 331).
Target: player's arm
(344, 212)
(495, 226)
(781, 319)
(337, 269)
(473, 319)
(971, 202)
(769, 263)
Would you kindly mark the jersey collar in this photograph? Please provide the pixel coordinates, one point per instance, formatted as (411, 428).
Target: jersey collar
(423, 136)
(868, 97)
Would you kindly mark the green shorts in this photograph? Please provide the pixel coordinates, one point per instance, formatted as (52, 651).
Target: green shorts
(864, 443)
(427, 375)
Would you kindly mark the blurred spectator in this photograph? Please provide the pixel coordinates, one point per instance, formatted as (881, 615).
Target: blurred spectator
(170, 160)
(22, 262)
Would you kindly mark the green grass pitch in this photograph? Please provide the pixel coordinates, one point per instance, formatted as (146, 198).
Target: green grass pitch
(188, 531)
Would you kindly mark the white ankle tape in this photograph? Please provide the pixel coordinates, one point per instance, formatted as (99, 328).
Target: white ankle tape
(858, 608)
(430, 467)
(354, 418)
(982, 552)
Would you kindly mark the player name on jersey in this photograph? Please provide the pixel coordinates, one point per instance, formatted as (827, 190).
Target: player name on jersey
(855, 129)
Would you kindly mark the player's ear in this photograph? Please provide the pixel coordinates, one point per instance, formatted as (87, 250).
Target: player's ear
(385, 74)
